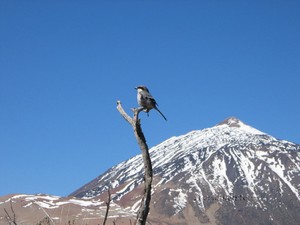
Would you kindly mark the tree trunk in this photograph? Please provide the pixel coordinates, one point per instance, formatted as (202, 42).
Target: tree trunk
(135, 123)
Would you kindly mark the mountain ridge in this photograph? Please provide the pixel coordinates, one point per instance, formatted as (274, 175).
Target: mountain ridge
(230, 173)
(229, 163)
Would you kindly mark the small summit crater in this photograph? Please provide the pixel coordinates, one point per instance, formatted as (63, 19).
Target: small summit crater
(232, 122)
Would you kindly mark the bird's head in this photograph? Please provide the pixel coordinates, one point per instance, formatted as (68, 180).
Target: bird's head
(141, 88)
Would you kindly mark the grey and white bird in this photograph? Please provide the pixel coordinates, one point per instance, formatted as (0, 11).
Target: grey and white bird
(146, 100)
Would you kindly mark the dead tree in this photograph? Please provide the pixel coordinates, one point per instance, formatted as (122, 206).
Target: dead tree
(107, 206)
(11, 219)
(135, 123)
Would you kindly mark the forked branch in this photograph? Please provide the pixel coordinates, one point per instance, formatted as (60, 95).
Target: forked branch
(135, 123)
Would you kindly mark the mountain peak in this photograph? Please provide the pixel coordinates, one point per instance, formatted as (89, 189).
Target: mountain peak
(234, 122)
(231, 166)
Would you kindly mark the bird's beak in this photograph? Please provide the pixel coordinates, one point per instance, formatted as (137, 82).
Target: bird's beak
(135, 88)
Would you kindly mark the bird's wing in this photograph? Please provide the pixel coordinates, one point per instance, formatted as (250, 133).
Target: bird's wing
(153, 102)
(147, 96)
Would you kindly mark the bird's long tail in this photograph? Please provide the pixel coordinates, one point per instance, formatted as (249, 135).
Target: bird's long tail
(161, 113)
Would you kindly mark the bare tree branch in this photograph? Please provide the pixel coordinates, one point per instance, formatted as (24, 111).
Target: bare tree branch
(135, 123)
(123, 113)
(8, 217)
(107, 206)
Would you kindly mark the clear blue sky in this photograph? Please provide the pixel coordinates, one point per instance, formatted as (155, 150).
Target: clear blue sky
(64, 64)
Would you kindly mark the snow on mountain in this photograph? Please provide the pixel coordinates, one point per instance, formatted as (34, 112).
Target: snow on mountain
(52, 202)
(48, 209)
(230, 173)
(188, 152)
(231, 164)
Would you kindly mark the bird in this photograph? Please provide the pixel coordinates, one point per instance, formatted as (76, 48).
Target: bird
(146, 100)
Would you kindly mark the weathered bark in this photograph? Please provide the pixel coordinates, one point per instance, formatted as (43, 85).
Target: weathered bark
(135, 123)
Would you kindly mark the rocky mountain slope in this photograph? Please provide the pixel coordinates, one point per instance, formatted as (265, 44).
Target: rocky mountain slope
(42, 209)
(228, 174)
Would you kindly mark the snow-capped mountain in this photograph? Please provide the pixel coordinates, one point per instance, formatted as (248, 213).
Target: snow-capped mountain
(231, 173)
